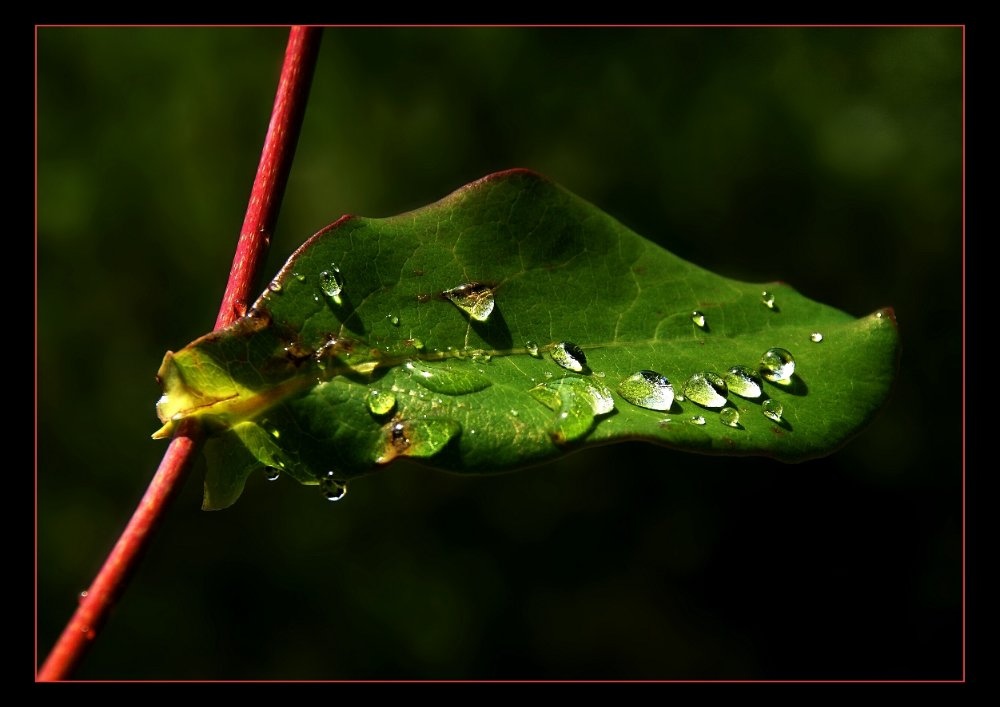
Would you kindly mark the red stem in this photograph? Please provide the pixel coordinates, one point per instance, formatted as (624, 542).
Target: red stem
(255, 237)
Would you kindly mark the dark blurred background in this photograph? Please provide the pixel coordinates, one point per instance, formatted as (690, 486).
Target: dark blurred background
(828, 158)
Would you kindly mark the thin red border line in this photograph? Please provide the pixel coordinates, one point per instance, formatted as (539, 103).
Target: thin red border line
(35, 385)
(495, 681)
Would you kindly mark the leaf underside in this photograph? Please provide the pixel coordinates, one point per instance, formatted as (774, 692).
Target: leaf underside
(409, 359)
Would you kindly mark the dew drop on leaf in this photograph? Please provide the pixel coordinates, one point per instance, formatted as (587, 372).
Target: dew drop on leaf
(744, 382)
(816, 337)
(274, 285)
(729, 416)
(331, 282)
(532, 348)
(381, 402)
(698, 318)
(772, 409)
(271, 473)
(706, 389)
(393, 319)
(767, 298)
(777, 365)
(473, 298)
(450, 381)
(696, 420)
(299, 276)
(648, 389)
(569, 356)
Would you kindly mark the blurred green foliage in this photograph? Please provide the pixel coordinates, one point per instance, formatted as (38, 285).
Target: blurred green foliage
(829, 158)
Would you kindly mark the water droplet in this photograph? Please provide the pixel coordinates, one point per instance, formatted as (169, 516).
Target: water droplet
(479, 355)
(380, 402)
(274, 285)
(331, 282)
(271, 473)
(450, 381)
(706, 389)
(299, 276)
(664, 422)
(514, 413)
(473, 298)
(777, 365)
(648, 389)
(276, 433)
(816, 337)
(416, 343)
(729, 416)
(332, 488)
(744, 382)
(679, 397)
(393, 319)
(696, 420)
(569, 356)
(577, 401)
(698, 318)
(532, 348)
(767, 298)
(772, 409)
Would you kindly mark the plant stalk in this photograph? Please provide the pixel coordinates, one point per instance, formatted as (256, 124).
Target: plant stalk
(251, 250)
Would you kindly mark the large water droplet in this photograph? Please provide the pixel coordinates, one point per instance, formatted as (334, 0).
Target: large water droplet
(569, 356)
(816, 337)
(772, 409)
(648, 389)
(767, 298)
(744, 382)
(706, 389)
(777, 365)
(729, 416)
(381, 402)
(450, 381)
(473, 298)
(698, 318)
(331, 282)
(332, 488)
(577, 401)
(271, 474)
(696, 420)
(532, 348)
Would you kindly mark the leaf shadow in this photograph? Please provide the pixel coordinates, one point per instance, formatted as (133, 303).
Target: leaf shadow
(494, 330)
(795, 385)
(347, 314)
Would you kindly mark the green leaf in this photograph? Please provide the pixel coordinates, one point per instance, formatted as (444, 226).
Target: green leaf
(502, 326)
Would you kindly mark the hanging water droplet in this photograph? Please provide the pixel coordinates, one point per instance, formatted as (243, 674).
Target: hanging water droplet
(532, 348)
(451, 381)
(393, 319)
(729, 416)
(696, 420)
(274, 285)
(332, 488)
(772, 409)
(271, 473)
(648, 389)
(767, 298)
(380, 402)
(299, 276)
(698, 318)
(569, 356)
(777, 365)
(473, 298)
(331, 282)
(706, 389)
(744, 382)
(816, 337)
